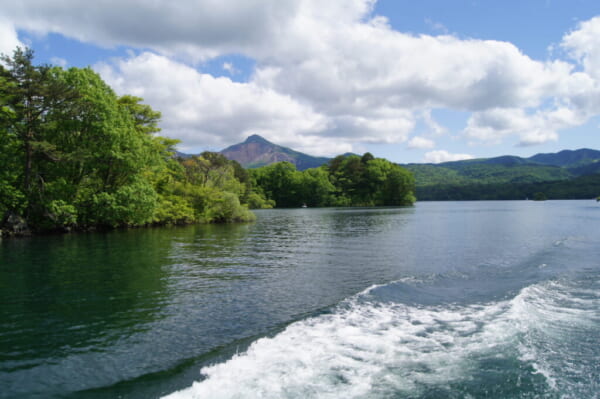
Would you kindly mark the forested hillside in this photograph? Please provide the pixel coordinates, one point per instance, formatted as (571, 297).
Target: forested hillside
(564, 175)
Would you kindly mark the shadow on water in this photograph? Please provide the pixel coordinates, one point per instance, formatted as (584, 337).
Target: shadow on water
(87, 285)
(85, 310)
(137, 313)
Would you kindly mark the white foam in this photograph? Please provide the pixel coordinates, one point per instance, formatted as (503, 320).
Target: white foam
(552, 316)
(372, 349)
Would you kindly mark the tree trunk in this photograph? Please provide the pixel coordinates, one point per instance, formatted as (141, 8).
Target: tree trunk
(28, 162)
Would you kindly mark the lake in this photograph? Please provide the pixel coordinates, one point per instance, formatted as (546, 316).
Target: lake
(439, 300)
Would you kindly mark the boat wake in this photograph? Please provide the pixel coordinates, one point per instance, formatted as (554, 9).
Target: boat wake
(540, 343)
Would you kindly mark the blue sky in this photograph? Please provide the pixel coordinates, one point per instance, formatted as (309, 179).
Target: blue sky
(423, 81)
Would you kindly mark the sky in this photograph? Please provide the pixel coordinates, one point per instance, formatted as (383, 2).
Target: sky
(410, 81)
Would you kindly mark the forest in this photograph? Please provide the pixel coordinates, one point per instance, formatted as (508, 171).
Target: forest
(509, 178)
(583, 187)
(76, 156)
(344, 181)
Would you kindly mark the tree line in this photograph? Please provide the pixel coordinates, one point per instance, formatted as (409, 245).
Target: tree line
(583, 187)
(344, 181)
(73, 154)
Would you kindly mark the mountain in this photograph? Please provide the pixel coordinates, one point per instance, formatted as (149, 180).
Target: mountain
(568, 158)
(257, 151)
(563, 165)
(565, 174)
(561, 175)
(182, 155)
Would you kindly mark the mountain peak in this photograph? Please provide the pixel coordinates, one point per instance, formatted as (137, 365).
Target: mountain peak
(255, 138)
(257, 151)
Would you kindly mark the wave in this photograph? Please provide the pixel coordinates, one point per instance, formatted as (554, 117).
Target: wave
(540, 343)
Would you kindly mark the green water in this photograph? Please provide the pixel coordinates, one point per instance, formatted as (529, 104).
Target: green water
(138, 313)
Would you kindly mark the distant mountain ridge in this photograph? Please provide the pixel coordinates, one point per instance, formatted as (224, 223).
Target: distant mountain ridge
(569, 173)
(256, 151)
(566, 174)
(561, 166)
(568, 158)
(564, 158)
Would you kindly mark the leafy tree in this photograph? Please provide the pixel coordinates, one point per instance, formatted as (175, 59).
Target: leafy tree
(315, 188)
(146, 119)
(212, 190)
(539, 196)
(279, 182)
(75, 155)
(31, 96)
(345, 181)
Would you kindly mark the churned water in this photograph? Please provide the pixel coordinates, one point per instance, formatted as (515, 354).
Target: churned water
(442, 300)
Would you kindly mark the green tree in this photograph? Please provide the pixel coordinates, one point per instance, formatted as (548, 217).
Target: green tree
(345, 181)
(539, 196)
(145, 118)
(109, 156)
(398, 187)
(211, 188)
(74, 154)
(280, 183)
(11, 195)
(315, 188)
(31, 96)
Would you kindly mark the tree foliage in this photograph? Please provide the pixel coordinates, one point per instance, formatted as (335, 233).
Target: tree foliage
(583, 187)
(76, 155)
(510, 178)
(345, 181)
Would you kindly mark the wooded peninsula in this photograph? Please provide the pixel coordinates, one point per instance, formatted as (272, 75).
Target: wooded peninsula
(75, 156)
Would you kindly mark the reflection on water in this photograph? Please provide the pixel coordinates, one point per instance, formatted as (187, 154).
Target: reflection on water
(137, 313)
(84, 284)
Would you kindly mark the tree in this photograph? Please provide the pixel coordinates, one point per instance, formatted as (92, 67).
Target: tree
(539, 196)
(146, 119)
(279, 182)
(31, 96)
(74, 154)
(315, 188)
(345, 181)
(398, 188)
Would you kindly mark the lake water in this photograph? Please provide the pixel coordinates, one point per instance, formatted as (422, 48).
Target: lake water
(441, 300)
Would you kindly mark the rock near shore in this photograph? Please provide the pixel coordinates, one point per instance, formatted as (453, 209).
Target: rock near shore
(15, 225)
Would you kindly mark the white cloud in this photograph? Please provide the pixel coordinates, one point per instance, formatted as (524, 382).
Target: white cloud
(228, 66)
(436, 26)
(205, 111)
(380, 127)
(364, 65)
(444, 156)
(434, 128)
(8, 38)
(329, 75)
(59, 61)
(584, 44)
(537, 128)
(420, 143)
(199, 29)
